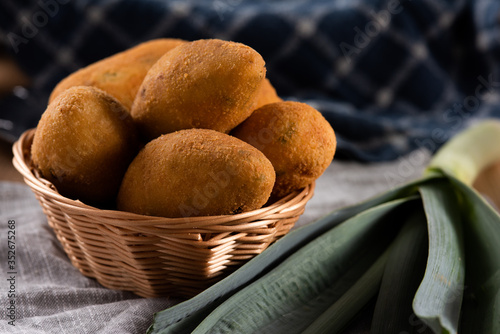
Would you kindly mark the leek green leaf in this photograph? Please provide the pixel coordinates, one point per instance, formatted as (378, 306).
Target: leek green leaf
(402, 275)
(337, 316)
(461, 160)
(481, 313)
(439, 297)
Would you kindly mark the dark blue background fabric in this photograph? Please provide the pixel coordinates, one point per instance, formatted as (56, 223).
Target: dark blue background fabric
(391, 76)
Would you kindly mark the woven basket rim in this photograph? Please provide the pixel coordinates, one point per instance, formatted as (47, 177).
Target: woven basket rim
(22, 162)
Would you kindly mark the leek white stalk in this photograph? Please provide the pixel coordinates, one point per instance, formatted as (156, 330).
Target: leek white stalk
(469, 152)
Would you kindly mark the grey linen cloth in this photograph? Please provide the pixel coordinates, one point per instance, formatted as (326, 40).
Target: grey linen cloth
(51, 296)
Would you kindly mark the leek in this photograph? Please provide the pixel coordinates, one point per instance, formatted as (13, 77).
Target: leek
(318, 277)
(404, 271)
(303, 279)
(337, 316)
(439, 298)
(482, 277)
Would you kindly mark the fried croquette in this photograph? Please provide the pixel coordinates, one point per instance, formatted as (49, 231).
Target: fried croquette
(120, 74)
(196, 172)
(83, 144)
(295, 137)
(210, 84)
(267, 94)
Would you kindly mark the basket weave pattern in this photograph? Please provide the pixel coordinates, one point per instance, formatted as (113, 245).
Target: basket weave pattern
(155, 256)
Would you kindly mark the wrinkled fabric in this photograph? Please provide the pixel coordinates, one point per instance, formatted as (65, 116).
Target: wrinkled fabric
(51, 296)
(390, 75)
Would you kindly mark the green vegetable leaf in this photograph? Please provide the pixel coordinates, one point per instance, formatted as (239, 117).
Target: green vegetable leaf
(402, 275)
(337, 316)
(439, 297)
(481, 312)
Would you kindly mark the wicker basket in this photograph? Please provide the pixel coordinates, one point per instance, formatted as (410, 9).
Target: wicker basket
(154, 256)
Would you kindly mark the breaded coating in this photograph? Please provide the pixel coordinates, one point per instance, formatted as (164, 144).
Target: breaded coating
(120, 74)
(267, 94)
(295, 137)
(209, 84)
(83, 144)
(196, 172)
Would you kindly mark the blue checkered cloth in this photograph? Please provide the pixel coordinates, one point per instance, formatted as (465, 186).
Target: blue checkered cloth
(391, 76)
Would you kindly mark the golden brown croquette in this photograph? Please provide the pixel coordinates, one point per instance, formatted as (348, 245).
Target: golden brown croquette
(120, 74)
(295, 137)
(209, 84)
(196, 172)
(267, 94)
(84, 143)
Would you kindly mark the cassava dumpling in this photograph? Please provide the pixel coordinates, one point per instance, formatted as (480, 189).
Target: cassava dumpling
(295, 137)
(120, 74)
(196, 172)
(267, 94)
(84, 143)
(209, 84)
